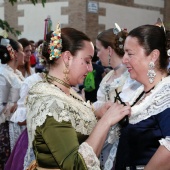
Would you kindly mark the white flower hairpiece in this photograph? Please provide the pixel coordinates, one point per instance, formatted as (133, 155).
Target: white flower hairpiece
(6, 42)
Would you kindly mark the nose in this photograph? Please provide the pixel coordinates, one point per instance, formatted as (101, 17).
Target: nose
(89, 67)
(124, 59)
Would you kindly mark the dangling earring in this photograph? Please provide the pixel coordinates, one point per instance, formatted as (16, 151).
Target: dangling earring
(151, 73)
(66, 71)
(109, 59)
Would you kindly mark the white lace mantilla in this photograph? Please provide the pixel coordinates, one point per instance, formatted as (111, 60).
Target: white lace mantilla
(155, 103)
(48, 100)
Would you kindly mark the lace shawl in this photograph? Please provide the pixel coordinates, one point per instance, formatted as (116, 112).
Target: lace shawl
(155, 103)
(53, 102)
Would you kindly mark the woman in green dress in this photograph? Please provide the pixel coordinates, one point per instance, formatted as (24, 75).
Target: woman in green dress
(62, 128)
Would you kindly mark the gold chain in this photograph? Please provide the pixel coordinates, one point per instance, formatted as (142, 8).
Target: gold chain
(51, 79)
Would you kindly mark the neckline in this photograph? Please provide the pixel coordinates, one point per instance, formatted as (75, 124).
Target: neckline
(51, 79)
(117, 67)
(149, 90)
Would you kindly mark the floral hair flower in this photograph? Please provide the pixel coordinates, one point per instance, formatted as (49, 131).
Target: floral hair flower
(6, 42)
(56, 43)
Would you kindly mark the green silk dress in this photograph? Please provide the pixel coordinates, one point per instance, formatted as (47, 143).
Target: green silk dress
(58, 126)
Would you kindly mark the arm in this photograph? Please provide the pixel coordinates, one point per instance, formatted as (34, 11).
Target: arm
(160, 160)
(65, 143)
(97, 138)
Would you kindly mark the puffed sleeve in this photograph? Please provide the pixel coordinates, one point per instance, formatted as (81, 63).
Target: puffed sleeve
(65, 146)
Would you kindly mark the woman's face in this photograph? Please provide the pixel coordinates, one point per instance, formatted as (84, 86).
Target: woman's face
(27, 51)
(135, 59)
(81, 64)
(20, 55)
(102, 53)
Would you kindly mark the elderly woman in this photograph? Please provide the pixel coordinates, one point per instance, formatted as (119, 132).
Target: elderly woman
(145, 142)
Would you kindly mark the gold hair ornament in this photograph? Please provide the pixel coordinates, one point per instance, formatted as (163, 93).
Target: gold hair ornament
(56, 43)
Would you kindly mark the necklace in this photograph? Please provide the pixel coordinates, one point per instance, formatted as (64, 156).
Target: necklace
(117, 67)
(51, 79)
(142, 96)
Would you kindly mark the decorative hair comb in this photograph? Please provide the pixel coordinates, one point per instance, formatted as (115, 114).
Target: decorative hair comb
(117, 29)
(56, 43)
(160, 24)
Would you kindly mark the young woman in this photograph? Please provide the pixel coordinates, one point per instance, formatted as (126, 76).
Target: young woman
(62, 127)
(26, 67)
(11, 55)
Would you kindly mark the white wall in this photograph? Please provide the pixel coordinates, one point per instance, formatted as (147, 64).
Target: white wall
(34, 16)
(155, 3)
(127, 17)
(1, 12)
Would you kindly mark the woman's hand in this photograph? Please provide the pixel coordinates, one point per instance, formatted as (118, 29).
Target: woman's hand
(103, 109)
(22, 123)
(116, 112)
(13, 108)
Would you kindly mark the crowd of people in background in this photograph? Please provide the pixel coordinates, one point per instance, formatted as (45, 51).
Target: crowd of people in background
(50, 119)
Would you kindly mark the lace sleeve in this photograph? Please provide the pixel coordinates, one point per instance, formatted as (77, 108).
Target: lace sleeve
(165, 142)
(89, 156)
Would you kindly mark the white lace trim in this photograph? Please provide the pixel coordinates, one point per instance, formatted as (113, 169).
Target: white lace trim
(111, 156)
(113, 134)
(53, 102)
(155, 103)
(165, 142)
(106, 88)
(89, 156)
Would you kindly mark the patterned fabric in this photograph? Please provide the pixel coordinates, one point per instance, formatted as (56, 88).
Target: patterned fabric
(148, 127)
(45, 107)
(4, 144)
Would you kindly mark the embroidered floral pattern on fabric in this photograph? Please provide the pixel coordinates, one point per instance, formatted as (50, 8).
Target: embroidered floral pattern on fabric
(57, 104)
(89, 156)
(155, 103)
(108, 88)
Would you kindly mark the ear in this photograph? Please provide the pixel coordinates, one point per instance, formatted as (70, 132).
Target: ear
(66, 56)
(110, 50)
(155, 55)
(15, 55)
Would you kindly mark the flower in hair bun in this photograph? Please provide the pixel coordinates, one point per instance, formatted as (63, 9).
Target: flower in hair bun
(56, 43)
